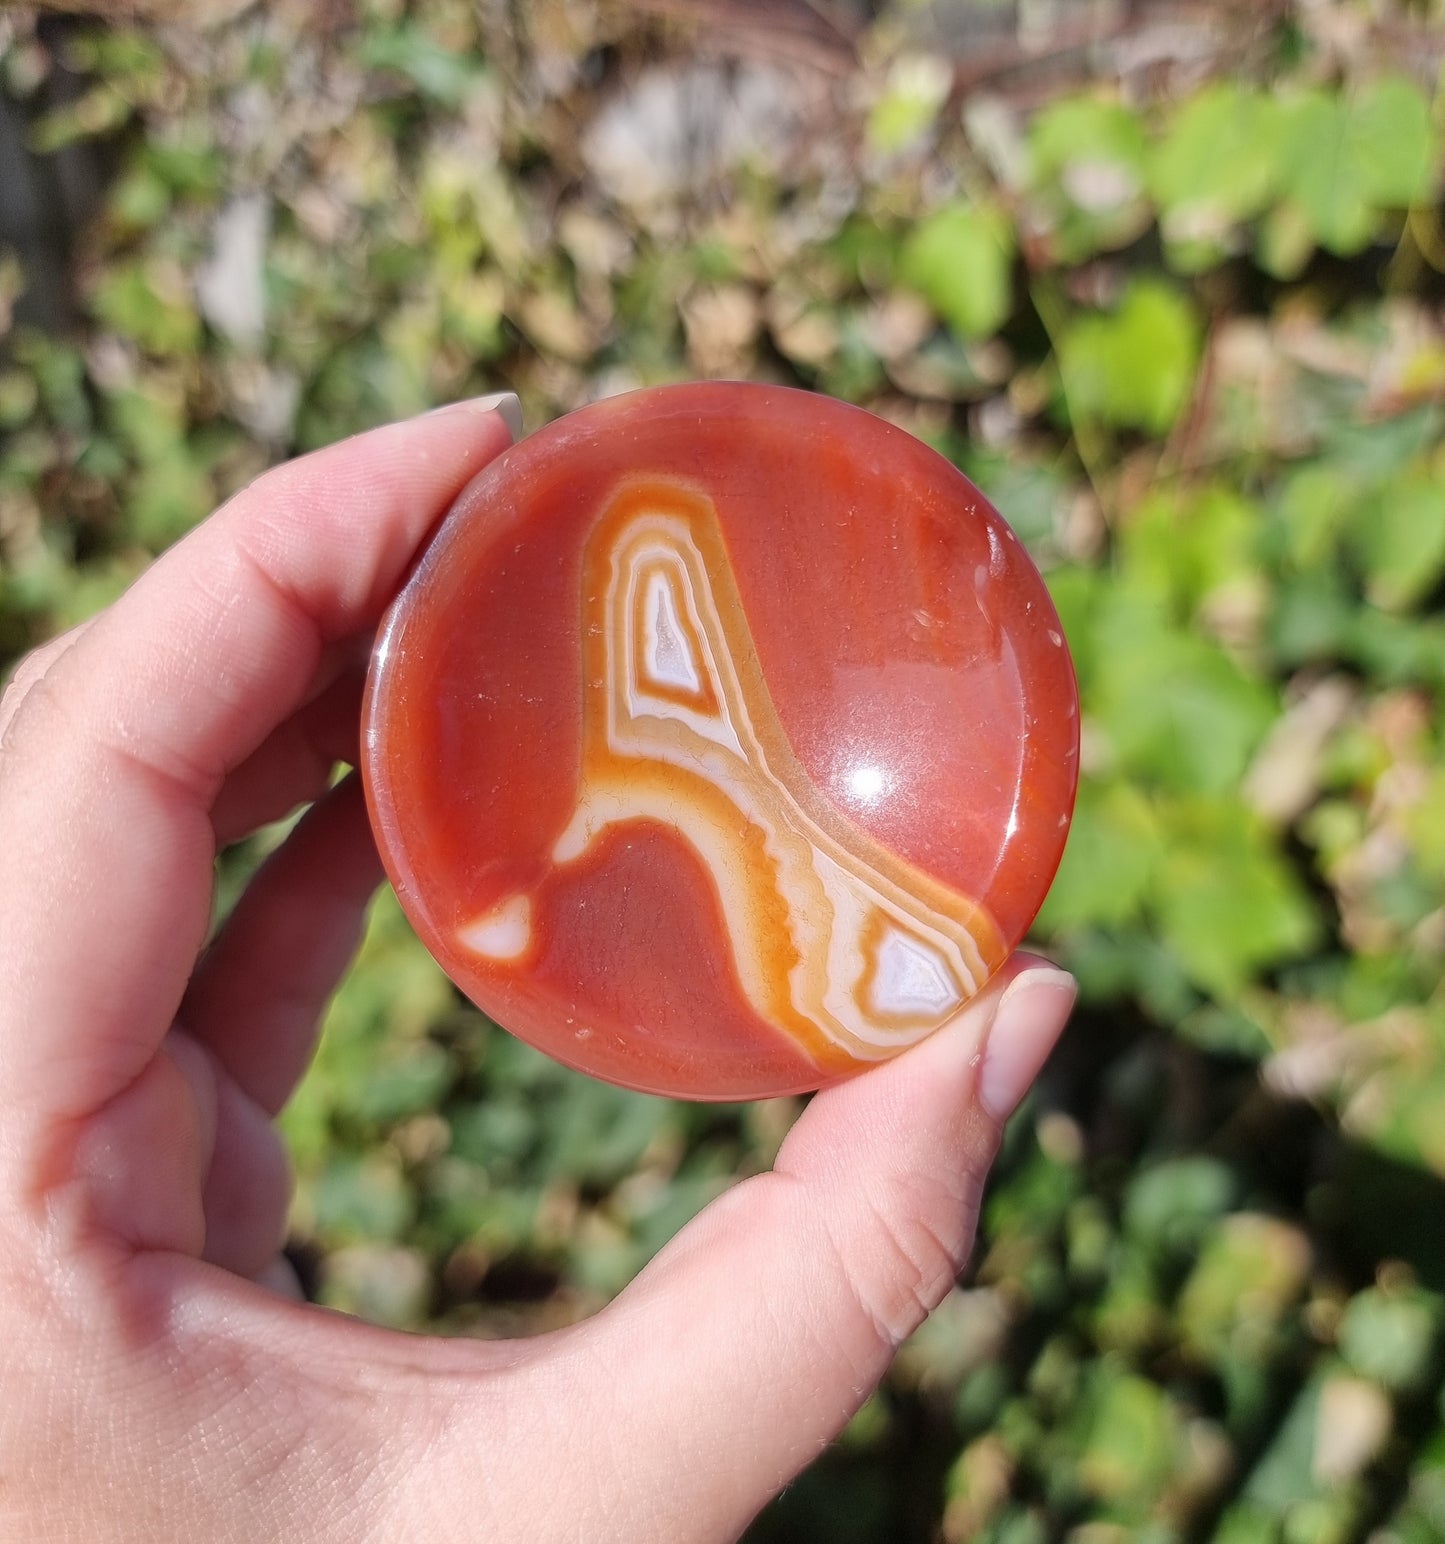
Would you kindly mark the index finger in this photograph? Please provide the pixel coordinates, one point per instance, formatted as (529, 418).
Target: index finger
(108, 771)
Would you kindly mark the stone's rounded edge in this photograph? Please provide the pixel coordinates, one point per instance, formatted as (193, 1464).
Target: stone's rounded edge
(741, 1093)
(375, 785)
(575, 430)
(386, 659)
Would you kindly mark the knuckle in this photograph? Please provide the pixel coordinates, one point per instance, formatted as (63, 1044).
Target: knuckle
(31, 668)
(920, 1234)
(29, 679)
(27, 685)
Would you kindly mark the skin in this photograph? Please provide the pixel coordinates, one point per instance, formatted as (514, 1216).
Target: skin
(159, 1381)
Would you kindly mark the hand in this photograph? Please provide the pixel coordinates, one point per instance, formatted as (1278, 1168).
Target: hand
(155, 1386)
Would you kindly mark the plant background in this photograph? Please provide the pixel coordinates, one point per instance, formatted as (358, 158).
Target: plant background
(1165, 279)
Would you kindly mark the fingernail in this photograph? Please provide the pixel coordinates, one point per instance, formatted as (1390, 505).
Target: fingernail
(1030, 1018)
(506, 403)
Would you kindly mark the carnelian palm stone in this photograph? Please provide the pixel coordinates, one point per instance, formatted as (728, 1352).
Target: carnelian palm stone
(724, 741)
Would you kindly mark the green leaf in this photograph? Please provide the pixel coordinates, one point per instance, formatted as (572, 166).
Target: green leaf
(1247, 1524)
(1284, 1481)
(1314, 508)
(1133, 966)
(362, 1197)
(140, 199)
(1225, 1029)
(59, 371)
(1169, 1207)
(1324, 179)
(917, 87)
(1373, 450)
(1131, 1435)
(1399, 535)
(1175, 708)
(1088, 133)
(1314, 618)
(1390, 1336)
(407, 49)
(193, 167)
(600, 1132)
(128, 56)
(1395, 141)
(1110, 858)
(411, 1079)
(1425, 826)
(1077, 593)
(168, 497)
(1228, 904)
(19, 396)
(1133, 368)
(99, 110)
(1399, 649)
(1249, 1275)
(1129, 1318)
(1351, 157)
(149, 307)
(1410, 1122)
(1286, 240)
(1218, 163)
(1087, 156)
(961, 261)
(1032, 491)
(93, 587)
(1184, 548)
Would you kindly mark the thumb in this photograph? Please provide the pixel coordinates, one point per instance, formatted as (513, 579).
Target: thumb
(749, 1342)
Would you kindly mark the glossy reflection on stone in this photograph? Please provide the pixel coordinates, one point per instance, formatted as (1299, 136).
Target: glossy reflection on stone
(724, 742)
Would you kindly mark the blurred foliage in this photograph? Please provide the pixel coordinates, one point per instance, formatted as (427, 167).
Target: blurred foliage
(1179, 312)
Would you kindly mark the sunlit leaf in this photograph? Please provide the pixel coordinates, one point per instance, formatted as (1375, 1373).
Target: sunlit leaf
(1087, 161)
(1131, 1435)
(1218, 163)
(1175, 708)
(150, 306)
(1390, 1336)
(1400, 536)
(1228, 903)
(961, 260)
(1351, 156)
(916, 88)
(1132, 367)
(1113, 846)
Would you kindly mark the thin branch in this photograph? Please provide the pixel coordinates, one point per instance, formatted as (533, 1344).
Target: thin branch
(795, 29)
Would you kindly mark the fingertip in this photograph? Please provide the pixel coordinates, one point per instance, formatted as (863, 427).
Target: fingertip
(505, 404)
(949, 1093)
(946, 1065)
(258, 994)
(1030, 1016)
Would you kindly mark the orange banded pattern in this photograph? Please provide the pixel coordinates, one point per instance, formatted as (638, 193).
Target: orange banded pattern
(846, 946)
(723, 741)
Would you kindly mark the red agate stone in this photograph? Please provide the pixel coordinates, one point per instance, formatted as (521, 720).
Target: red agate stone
(724, 742)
